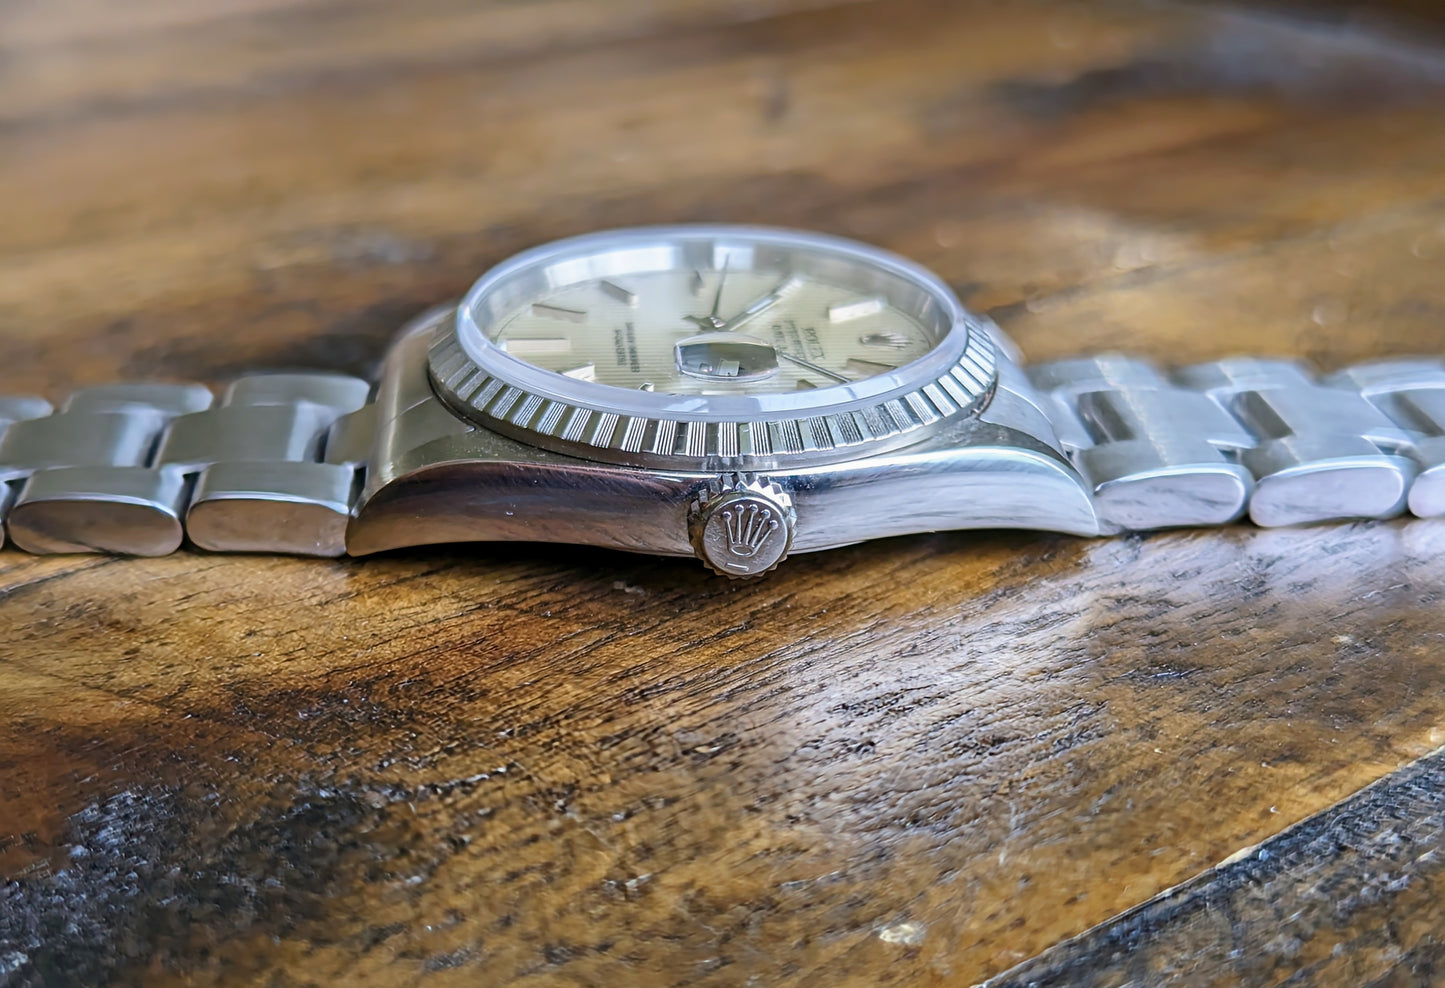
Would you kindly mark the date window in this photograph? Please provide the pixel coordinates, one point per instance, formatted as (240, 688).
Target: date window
(726, 357)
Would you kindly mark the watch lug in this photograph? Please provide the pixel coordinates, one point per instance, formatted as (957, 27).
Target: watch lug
(1018, 406)
(435, 478)
(976, 475)
(1004, 468)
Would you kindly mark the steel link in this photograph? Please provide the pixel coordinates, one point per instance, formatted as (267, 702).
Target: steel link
(1157, 455)
(87, 486)
(262, 486)
(348, 441)
(129, 510)
(1237, 374)
(1412, 394)
(18, 408)
(166, 399)
(1364, 443)
(1325, 453)
(134, 468)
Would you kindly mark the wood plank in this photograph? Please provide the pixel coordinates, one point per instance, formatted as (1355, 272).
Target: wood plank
(1352, 896)
(920, 761)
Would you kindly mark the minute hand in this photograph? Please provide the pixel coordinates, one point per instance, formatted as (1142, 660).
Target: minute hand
(758, 305)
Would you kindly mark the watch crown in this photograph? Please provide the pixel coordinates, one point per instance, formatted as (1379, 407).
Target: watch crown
(741, 525)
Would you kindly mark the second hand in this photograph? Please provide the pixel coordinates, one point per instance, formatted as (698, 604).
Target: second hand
(814, 367)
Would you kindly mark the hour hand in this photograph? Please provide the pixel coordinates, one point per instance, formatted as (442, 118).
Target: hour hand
(708, 323)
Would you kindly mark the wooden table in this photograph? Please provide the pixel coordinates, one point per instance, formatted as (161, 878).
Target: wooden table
(920, 761)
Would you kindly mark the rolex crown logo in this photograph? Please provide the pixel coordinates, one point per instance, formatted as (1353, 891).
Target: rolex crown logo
(748, 526)
(742, 525)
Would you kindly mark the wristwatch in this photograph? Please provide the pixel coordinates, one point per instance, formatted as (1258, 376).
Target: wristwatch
(737, 393)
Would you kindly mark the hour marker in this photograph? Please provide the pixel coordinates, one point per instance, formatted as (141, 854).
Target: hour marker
(582, 372)
(647, 386)
(886, 340)
(806, 386)
(618, 292)
(868, 367)
(788, 285)
(558, 312)
(847, 311)
(537, 348)
(696, 284)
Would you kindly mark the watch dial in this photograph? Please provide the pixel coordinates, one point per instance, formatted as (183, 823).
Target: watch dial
(693, 331)
(711, 347)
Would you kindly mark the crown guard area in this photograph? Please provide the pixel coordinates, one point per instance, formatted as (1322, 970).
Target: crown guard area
(742, 526)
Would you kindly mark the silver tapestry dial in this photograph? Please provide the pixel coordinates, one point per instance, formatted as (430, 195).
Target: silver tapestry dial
(711, 347)
(686, 332)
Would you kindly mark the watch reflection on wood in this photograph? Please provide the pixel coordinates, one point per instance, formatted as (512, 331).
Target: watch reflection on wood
(736, 393)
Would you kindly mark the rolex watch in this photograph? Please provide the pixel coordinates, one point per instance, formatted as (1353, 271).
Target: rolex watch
(734, 393)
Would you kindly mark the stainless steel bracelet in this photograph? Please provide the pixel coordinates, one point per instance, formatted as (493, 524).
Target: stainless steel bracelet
(276, 466)
(137, 468)
(1202, 445)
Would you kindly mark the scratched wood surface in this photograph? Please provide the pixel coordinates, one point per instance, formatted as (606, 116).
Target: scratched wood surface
(921, 761)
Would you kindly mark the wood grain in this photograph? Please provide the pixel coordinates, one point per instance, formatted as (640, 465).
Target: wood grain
(920, 761)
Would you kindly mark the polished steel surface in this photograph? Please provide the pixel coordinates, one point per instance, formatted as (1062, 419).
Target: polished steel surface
(20, 408)
(291, 506)
(130, 510)
(14, 409)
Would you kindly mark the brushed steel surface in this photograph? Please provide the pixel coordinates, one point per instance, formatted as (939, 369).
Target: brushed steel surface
(1158, 455)
(1324, 453)
(349, 439)
(339, 392)
(1412, 394)
(80, 438)
(239, 433)
(166, 399)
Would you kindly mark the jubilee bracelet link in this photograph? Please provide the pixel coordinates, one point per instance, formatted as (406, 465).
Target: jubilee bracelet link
(137, 468)
(1207, 443)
